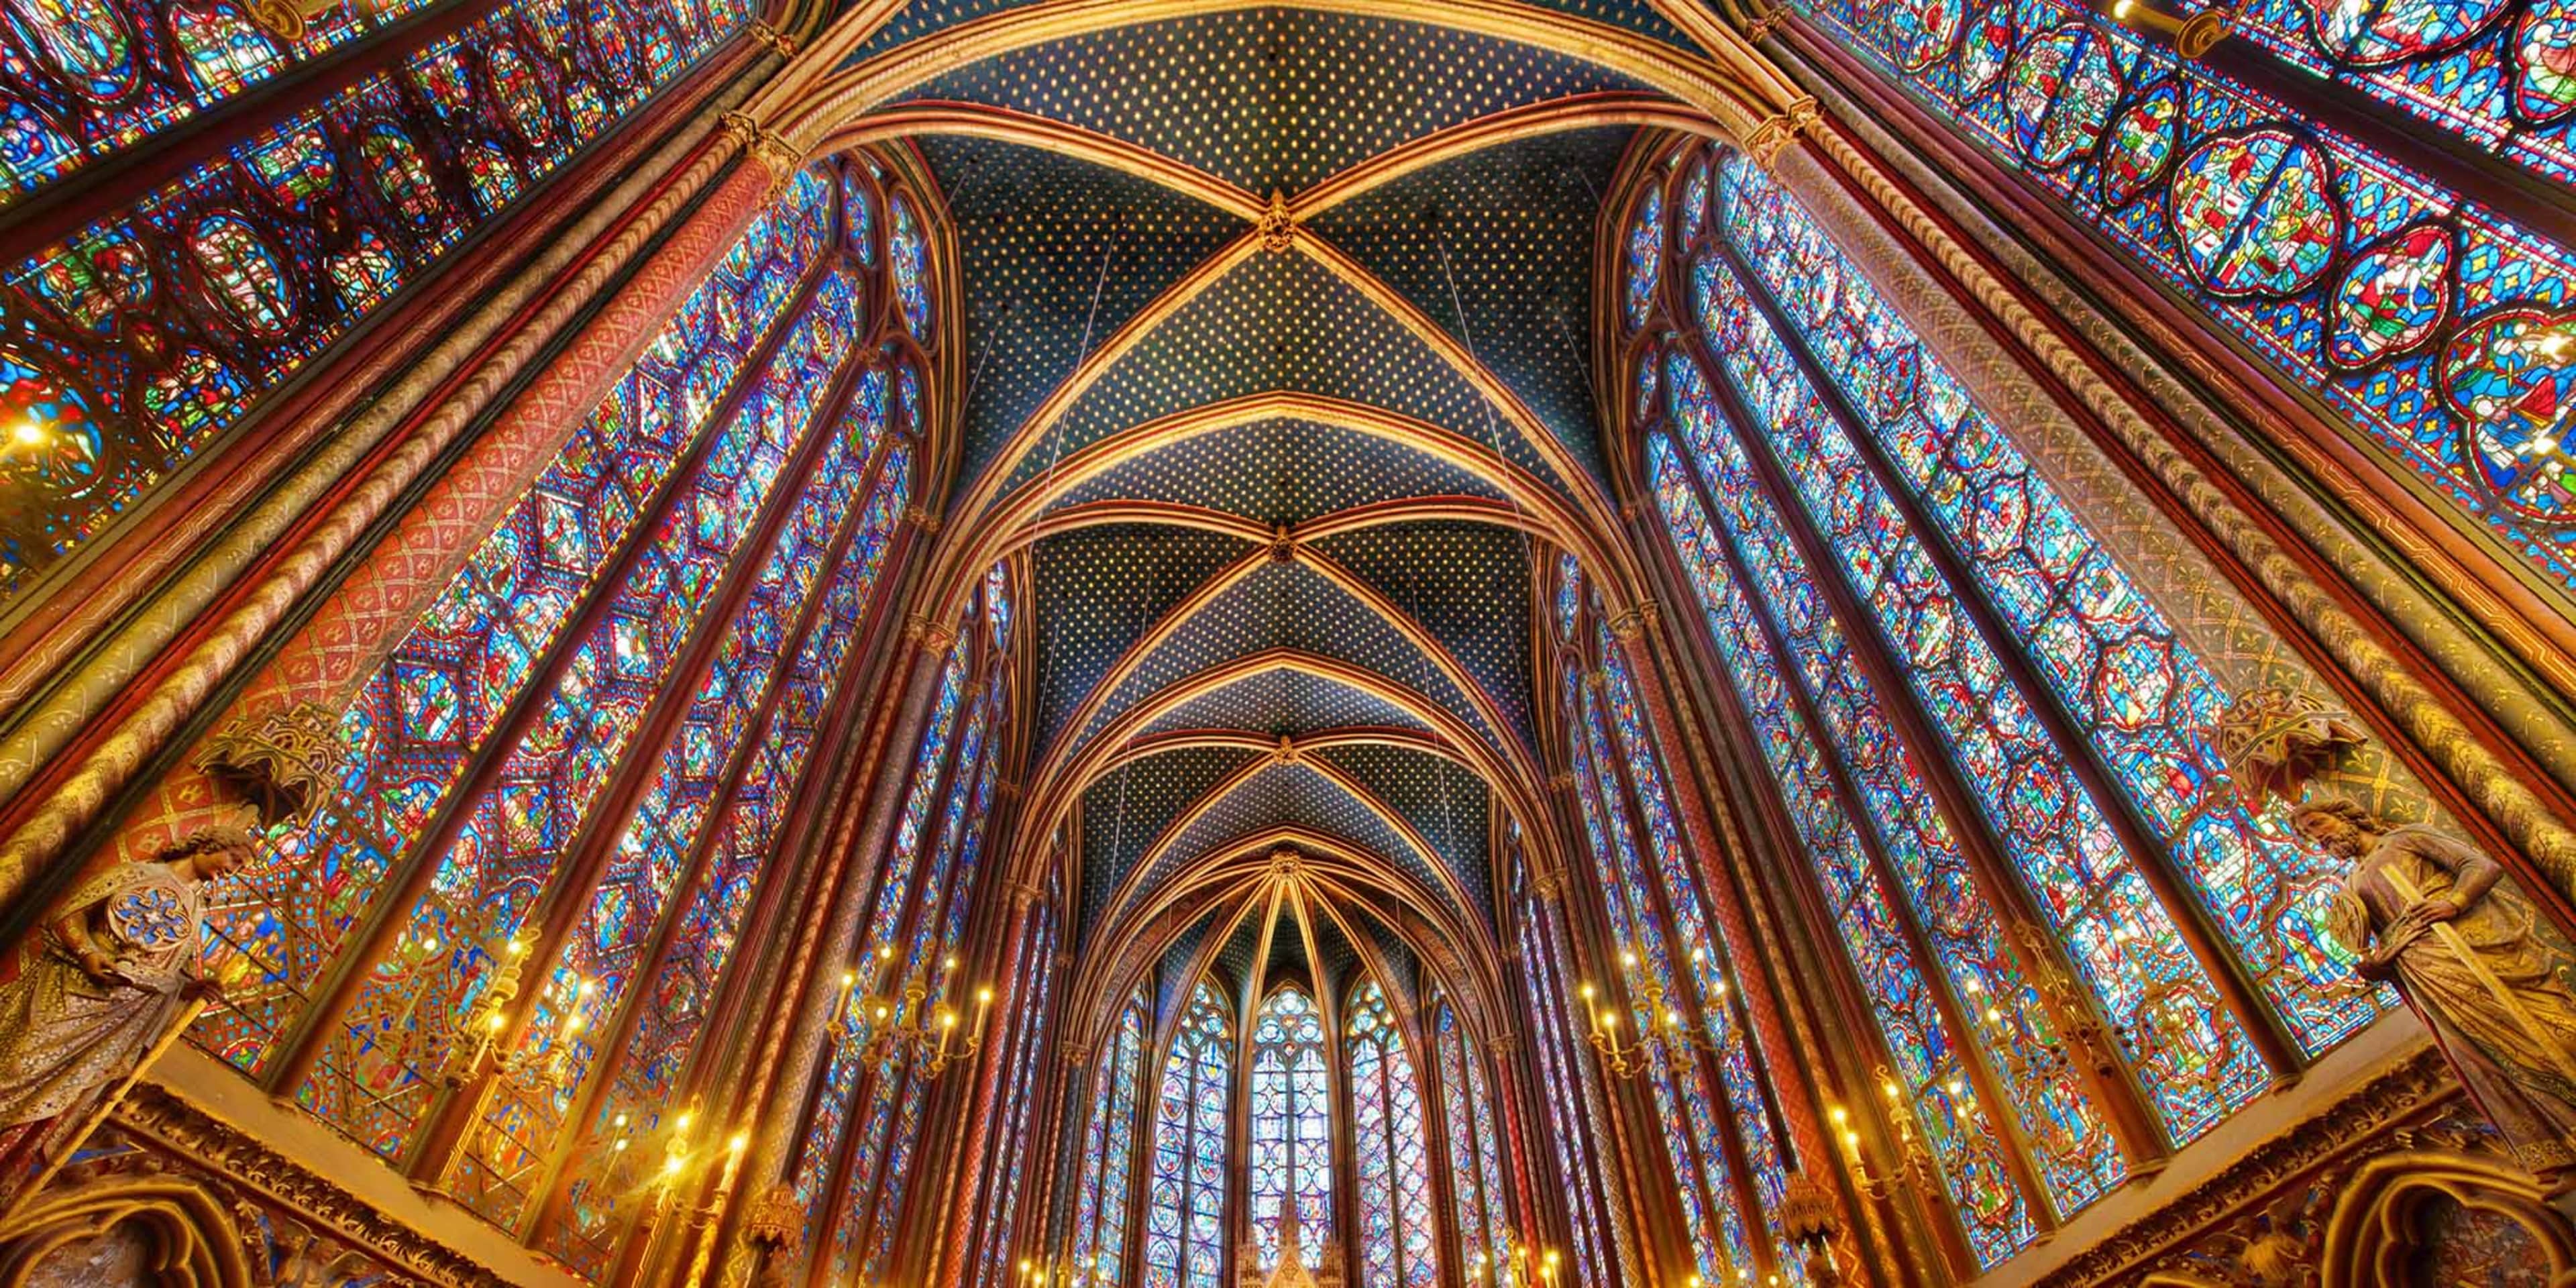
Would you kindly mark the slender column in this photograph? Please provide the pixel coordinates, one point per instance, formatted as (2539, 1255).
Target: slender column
(2263, 1025)
(177, 698)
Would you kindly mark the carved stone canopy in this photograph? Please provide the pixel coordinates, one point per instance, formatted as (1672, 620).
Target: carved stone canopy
(2274, 741)
(283, 763)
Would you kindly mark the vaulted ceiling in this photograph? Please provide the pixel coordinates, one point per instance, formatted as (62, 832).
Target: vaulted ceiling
(1279, 372)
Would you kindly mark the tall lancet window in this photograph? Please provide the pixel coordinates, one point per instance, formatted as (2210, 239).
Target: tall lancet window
(1985, 733)
(299, 221)
(1292, 1123)
(1185, 1204)
(2330, 241)
(1398, 1232)
(1006, 1169)
(1718, 1126)
(855, 1166)
(573, 774)
(1105, 1191)
(1577, 1124)
(1476, 1148)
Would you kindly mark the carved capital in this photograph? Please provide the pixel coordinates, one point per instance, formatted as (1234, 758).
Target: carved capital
(922, 519)
(1632, 623)
(283, 764)
(1503, 1046)
(1562, 780)
(767, 146)
(1277, 229)
(779, 42)
(1024, 896)
(1766, 22)
(775, 1222)
(1778, 132)
(1077, 1055)
(933, 637)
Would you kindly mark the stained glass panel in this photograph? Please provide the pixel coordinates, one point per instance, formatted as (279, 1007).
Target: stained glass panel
(1108, 1152)
(1185, 1204)
(135, 342)
(2139, 693)
(659, 854)
(2426, 321)
(517, 826)
(1690, 1116)
(446, 686)
(1392, 1162)
(1934, 1090)
(1475, 1147)
(1292, 1124)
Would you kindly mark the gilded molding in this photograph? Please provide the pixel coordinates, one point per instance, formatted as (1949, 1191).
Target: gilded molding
(2514, 808)
(153, 1114)
(2408, 1094)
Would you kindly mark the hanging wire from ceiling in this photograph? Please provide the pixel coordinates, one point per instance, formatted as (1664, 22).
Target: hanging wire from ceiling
(1502, 465)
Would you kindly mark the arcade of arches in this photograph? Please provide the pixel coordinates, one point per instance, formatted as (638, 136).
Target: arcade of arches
(1364, 643)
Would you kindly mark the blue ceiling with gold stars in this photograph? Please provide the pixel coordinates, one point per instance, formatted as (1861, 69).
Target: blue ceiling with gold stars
(1287, 471)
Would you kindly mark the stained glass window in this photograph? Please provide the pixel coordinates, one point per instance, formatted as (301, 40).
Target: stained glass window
(1391, 1163)
(1006, 1168)
(1292, 1124)
(2427, 321)
(1566, 1074)
(926, 941)
(534, 848)
(1185, 1201)
(1698, 961)
(454, 680)
(1931, 1094)
(1103, 1192)
(1986, 710)
(1476, 1165)
(136, 341)
(2130, 684)
(1689, 1116)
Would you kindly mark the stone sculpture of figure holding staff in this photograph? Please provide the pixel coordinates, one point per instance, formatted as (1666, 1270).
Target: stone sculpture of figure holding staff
(2474, 959)
(100, 988)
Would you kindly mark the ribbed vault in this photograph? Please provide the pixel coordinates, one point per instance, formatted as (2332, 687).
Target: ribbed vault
(1278, 377)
